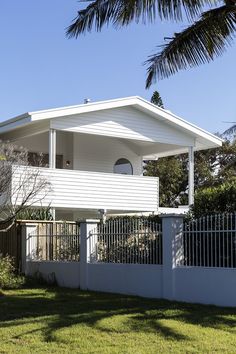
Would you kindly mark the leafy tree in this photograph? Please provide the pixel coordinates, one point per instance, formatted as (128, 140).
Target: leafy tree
(212, 167)
(173, 179)
(212, 29)
(216, 199)
(42, 213)
(156, 99)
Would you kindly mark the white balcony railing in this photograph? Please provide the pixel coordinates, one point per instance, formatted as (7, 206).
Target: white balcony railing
(74, 189)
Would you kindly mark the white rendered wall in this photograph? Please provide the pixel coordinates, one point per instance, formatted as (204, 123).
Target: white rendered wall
(131, 279)
(196, 285)
(99, 153)
(65, 273)
(215, 286)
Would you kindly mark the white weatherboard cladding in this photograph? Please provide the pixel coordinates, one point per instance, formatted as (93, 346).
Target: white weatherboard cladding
(126, 122)
(94, 190)
(99, 154)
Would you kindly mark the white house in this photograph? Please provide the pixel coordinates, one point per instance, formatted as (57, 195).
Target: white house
(93, 153)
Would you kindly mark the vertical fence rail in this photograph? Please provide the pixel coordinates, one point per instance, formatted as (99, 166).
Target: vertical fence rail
(210, 241)
(55, 241)
(129, 240)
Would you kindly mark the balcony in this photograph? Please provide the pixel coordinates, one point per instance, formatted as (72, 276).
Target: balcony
(73, 189)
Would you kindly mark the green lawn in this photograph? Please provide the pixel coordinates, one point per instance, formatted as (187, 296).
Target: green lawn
(63, 321)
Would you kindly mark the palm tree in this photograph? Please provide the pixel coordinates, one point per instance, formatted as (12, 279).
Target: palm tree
(206, 38)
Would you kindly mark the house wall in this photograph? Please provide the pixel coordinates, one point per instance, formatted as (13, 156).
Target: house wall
(85, 152)
(40, 143)
(98, 153)
(126, 123)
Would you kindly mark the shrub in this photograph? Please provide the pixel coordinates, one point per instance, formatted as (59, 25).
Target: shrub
(213, 200)
(43, 213)
(8, 277)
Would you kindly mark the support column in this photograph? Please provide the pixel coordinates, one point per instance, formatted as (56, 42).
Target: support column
(172, 236)
(52, 158)
(190, 176)
(87, 249)
(52, 148)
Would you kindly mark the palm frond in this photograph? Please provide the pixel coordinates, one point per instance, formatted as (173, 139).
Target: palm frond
(122, 12)
(198, 44)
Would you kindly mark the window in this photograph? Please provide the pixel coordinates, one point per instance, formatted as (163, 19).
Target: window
(123, 166)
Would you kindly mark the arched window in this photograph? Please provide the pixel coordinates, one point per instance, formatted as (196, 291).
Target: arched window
(123, 166)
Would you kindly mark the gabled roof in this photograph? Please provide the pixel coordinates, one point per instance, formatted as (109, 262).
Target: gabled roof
(206, 138)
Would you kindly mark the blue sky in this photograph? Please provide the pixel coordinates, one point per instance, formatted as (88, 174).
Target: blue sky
(40, 68)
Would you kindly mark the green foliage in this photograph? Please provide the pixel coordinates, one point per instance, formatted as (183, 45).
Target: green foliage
(8, 277)
(157, 100)
(216, 166)
(210, 31)
(199, 43)
(173, 178)
(44, 213)
(212, 168)
(212, 200)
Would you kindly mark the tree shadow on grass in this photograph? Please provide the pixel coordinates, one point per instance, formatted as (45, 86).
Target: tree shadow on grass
(59, 309)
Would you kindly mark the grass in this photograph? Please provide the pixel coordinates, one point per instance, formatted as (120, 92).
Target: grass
(49, 320)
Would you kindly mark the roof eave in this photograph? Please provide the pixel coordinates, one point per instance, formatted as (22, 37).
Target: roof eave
(135, 101)
(15, 123)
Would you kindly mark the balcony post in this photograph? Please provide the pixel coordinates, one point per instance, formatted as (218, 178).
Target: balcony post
(190, 175)
(52, 148)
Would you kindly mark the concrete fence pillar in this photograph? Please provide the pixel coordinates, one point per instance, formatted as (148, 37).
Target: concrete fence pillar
(28, 244)
(87, 249)
(172, 233)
